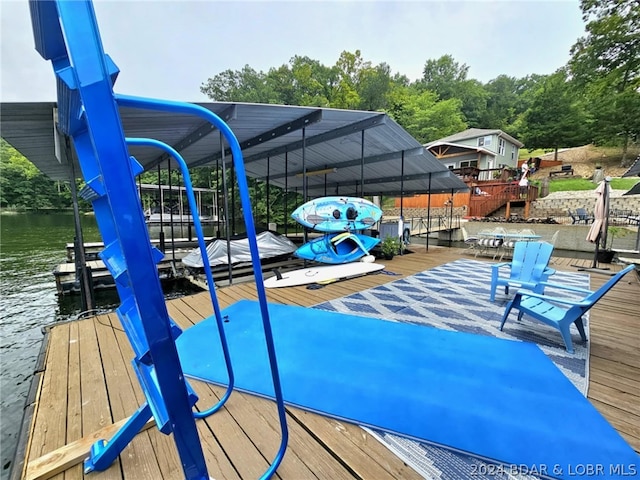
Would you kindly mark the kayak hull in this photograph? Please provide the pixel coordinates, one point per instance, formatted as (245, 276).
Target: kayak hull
(337, 214)
(337, 248)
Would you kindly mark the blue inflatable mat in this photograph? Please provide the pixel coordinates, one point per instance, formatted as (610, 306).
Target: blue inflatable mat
(495, 399)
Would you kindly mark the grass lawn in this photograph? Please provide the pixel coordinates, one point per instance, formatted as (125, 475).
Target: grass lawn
(524, 154)
(575, 184)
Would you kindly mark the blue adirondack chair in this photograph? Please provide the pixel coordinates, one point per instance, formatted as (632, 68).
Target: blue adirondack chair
(528, 268)
(560, 313)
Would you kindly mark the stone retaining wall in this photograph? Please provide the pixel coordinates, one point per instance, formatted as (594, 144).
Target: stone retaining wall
(558, 203)
(422, 212)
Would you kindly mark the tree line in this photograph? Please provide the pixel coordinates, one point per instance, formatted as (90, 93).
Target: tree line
(594, 98)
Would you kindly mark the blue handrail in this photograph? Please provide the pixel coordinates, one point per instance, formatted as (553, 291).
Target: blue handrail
(66, 33)
(193, 206)
(192, 109)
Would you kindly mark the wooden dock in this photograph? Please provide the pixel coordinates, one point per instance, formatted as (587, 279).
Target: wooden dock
(86, 384)
(66, 276)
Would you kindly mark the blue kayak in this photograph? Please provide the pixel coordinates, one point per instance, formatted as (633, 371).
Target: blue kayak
(337, 214)
(337, 248)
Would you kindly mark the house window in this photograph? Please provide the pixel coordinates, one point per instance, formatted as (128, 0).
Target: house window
(501, 146)
(469, 163)
(484, 141)
(513, 152)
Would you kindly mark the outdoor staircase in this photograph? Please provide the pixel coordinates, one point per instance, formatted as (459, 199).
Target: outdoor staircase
(501, 195)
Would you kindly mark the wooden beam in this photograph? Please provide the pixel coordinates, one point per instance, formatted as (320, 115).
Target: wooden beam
(72, 454)
(450, 155)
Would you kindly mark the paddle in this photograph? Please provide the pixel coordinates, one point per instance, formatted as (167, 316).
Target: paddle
(324, 283)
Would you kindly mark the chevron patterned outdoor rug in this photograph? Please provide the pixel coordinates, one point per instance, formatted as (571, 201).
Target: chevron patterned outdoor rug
(455, 296)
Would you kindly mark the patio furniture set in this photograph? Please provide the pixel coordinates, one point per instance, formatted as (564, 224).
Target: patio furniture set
(581, 216)
(624, 217)
(498, 242)
(564, 170)
(616, 217)
(529, 274)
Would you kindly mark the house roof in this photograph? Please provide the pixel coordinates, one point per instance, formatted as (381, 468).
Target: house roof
(390, 161)
(457, 148)
(475, 133)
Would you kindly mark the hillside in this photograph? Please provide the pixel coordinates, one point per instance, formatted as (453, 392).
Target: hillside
(584, 160)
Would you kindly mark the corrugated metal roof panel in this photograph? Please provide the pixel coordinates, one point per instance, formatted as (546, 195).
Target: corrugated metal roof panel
(634, 169)
(269, 135)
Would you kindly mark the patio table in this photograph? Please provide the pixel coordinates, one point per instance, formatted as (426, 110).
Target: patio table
(499, 240)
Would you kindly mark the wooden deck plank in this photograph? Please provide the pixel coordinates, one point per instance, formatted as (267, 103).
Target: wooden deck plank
(139, 457)
(163, 446)
(363, 453)
(50, 420)
(318, 462)
(616, 397)
(626, 385)
(255, 417)
(53, 386)
(616, 370)
(243, 453)
(615, 352)
(96, 413)
(91, 358)
(74, 398)
(620, 419)
(69, 458)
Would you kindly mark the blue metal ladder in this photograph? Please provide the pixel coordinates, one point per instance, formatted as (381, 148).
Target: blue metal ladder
(66, 33)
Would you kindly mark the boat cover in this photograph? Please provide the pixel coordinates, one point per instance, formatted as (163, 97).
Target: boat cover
(269, 245)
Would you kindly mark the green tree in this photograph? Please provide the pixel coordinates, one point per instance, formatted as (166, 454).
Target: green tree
(374, 86)
(303, 82)
(609, 55)
(22, 185)
(244, 85)
(474, 97)
(424, 116)
(442, 76)
(352, 83)
(507, 99)
(448, 79)
(556, 117)
(613, 112)
(344, 93)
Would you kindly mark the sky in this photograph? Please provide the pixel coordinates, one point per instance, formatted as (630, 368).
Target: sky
(168, 49)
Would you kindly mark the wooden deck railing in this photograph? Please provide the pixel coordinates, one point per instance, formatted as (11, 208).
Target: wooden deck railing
(496, 195)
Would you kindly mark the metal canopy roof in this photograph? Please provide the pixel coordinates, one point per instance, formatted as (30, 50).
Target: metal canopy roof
(634, 169)
(344, 149)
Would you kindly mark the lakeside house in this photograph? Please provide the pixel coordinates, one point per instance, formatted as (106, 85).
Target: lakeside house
(477, 149)
(477, 156)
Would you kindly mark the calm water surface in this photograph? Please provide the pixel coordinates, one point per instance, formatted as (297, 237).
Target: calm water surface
(31, 245)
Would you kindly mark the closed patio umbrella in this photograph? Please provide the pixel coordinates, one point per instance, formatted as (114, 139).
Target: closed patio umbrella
(598, 231)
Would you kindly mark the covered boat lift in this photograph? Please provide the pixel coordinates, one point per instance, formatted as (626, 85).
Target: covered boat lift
(309, 150)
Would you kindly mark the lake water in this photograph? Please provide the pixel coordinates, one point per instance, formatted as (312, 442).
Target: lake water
(31, 246)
